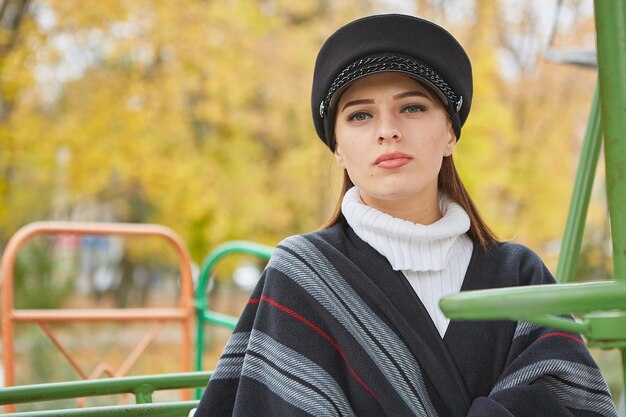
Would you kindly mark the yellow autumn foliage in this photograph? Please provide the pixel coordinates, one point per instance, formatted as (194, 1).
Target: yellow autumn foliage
(196, 115)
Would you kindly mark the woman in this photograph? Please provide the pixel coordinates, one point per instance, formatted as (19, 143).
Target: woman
(345, 320)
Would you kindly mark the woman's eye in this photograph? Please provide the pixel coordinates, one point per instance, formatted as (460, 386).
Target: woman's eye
(359, 116)
(414, 108)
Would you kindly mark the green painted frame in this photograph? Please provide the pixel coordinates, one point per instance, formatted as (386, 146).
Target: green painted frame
(603, 304)
(203, 314)
(142, 387)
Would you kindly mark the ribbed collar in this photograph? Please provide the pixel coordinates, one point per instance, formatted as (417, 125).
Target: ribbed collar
(407, 245)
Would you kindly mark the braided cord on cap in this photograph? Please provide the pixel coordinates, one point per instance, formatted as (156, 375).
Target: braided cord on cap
(369, 65)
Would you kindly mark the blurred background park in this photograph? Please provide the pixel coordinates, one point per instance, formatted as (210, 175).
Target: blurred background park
(195, 114)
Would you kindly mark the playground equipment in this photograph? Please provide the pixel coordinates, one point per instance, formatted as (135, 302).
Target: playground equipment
(141, 386)
(602, 304)
(203, 314)
(182, 314)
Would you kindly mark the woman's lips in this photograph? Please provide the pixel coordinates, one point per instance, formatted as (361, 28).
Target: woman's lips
(392, 160)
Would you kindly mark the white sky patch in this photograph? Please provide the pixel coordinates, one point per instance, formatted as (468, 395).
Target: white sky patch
(457, 12)
(44, 16)
(66, 56)
(76, 53)
(395, 6)
(537, 41)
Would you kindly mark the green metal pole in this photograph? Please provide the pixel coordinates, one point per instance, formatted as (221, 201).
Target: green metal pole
(611, 45)
(202, 314)
(620, 404)
(106, 386)
(143, 394)
(570, 246)
(533, 300)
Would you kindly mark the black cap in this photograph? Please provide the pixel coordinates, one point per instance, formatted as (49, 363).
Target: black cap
(391, 42)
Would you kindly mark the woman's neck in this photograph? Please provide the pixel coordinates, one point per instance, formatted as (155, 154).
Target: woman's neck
(423, 210)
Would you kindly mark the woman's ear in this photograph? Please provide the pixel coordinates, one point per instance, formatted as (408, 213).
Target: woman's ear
(338, 157)
(451, 142)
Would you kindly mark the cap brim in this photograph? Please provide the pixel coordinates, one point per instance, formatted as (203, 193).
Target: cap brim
(431, 87)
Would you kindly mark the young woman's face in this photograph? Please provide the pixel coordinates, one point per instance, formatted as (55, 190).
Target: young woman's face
(391, 137)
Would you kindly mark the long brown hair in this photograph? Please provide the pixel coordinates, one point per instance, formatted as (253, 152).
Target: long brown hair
(450, 183)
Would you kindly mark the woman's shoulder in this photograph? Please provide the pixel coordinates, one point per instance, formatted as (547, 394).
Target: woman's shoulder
(514, 252)
(300, 255)
(333, 236)
(521, 261)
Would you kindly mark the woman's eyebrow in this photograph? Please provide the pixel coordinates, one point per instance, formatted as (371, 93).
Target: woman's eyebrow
(395, 97)
(410, 94)
(357, 102)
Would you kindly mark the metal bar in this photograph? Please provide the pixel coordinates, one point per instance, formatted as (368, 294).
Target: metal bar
(611, 46)
(139, 349)
(236, 246)
(220, 319)
(94, 387)
(184, 313)
(6, 295)
(64, 352)
(103, 314)
(172, 409)
(143, 394)
(520, 302)
(101, 369)
(575, 226)
(623, 354)
(200, 310)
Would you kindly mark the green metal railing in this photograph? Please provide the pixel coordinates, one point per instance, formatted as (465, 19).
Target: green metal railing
(544, 304)
(142, 387)
(602, 304)
(203, 314)
(173, 409)
(575, 226)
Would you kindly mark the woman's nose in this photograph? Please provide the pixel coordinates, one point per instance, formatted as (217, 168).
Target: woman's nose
(388, 129)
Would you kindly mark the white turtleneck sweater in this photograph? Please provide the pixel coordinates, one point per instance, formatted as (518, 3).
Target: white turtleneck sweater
(434, 257)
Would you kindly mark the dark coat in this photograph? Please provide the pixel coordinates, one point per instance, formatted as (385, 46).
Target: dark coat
(332, 330)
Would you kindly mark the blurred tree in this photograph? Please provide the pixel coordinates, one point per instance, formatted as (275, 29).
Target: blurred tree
(522, 141)
(35, 284)
(199, 106)
(546, 147)
(12, 58)
(196, 115)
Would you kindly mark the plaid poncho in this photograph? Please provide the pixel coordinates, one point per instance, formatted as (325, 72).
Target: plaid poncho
(332, 330)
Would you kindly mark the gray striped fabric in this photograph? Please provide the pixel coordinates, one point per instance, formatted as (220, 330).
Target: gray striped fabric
(523, 328)
(287, 384)
(357, 318)
(578, 398)
(556, 374)
(295, 368)
(230, 367)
